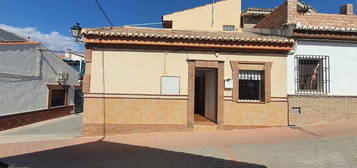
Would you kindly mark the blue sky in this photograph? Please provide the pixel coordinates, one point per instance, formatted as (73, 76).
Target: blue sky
(55, 17)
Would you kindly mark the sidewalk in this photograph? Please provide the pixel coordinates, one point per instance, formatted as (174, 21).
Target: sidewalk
(332, 145)
(61, 128)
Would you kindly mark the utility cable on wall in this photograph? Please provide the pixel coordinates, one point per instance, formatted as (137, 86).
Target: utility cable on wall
(144, 24)
(213, 1)
(105, 15)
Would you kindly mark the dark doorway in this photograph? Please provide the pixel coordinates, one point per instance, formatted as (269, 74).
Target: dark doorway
(78, 101)
(206, 94)
(200, 95)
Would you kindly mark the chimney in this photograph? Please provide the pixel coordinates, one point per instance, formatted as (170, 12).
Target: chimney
(346, 9)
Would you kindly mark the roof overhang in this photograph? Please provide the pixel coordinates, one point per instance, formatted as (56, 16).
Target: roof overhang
(19, 43)
(318, 34)
(189, 44)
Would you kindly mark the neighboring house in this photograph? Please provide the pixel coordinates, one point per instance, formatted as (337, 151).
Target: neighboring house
(76, 61)
(322, 83)
(222, 15)
(34, 84)
(146, 79)
(251, 16)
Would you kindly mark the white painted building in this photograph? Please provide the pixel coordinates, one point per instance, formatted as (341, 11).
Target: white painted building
(342, 65)
(35, 85)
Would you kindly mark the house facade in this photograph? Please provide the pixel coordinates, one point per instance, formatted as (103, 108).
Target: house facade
(252, 16)
(321, 85)
(172, 79)
(220, 15)
(31, 90)
(76, 61)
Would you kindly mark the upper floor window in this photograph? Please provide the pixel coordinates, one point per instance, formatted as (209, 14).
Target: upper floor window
(312, 74)
(251, 85)
(229, 28)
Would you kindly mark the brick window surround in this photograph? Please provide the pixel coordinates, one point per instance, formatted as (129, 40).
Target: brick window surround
(192, 65)
(245, 65)
(53, 87)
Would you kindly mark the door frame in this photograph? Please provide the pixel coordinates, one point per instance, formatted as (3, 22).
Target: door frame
(219, 66)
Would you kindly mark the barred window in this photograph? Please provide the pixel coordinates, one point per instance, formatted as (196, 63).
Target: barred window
(251, 85)
(312, 74)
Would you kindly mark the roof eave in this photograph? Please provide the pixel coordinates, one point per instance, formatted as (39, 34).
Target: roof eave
(266, 46)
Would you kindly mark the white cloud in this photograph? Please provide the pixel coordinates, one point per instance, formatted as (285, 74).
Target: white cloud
(53, 40)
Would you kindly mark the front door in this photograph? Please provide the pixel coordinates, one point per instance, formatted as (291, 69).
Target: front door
(211, 94)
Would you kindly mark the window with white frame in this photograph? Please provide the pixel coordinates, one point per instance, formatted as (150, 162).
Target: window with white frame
(312, 74)
(251, 85)
(229, 28)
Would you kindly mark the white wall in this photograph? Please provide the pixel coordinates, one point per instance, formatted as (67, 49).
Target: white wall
(343, 65)
(23, 84)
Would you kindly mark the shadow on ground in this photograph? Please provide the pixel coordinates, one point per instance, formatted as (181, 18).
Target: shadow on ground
(108, 154)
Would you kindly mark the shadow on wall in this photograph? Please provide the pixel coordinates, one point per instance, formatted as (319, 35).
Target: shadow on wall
(108, 154)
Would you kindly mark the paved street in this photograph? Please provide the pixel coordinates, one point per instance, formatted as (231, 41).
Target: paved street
(322, 146)
(61, 128)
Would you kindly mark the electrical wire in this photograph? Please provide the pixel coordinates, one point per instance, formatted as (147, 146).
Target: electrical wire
(103, 12)
(78, 53)
(144, 24)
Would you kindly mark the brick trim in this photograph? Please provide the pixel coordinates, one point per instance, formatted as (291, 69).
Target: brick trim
(18, 120)
(88, 55)
(58, 87)
(191, 93)
(235, 65)
(86, 83)
(20, 43)
(267, 81)
(87, 75)
(192, 65)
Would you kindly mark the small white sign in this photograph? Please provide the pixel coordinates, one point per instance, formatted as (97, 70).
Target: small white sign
(228, 84)
(170, 85)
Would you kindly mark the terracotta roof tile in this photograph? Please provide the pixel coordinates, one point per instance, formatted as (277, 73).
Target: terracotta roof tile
(259, 10)
(183, 34)
(300, 26)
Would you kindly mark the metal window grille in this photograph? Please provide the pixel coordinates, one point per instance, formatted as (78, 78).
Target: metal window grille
(312, 74)
(250, 85)
(229, 28)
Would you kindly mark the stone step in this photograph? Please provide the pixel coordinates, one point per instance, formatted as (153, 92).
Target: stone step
(204, 128)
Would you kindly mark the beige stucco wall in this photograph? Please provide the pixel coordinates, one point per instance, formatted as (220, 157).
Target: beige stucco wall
(139, 71)
(226, 12)
(135, 111)
(255, 114)
(136, 72)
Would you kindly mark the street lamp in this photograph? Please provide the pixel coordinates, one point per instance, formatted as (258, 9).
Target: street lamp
(76, 31)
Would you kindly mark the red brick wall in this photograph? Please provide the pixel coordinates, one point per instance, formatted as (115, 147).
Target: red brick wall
(320, 19)
(287, 13)
(317, 109)
(326, 20)
(275, 19)
(18, 120)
